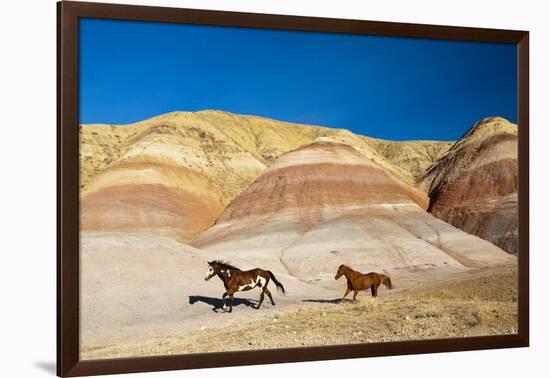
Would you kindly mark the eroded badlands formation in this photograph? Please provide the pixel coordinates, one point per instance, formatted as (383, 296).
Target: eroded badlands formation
(173, 174)
(474, 185)
(325, 204)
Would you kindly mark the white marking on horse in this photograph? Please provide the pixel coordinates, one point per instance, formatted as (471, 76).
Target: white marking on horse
(247, 286)
(209, 272)
(260, 281)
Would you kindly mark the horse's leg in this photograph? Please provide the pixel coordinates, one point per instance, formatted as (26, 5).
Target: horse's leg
(269, 295)
(223, 300)
(355, 292)
(261, 299)
(231, 302)
(374, 292)
(346, 293)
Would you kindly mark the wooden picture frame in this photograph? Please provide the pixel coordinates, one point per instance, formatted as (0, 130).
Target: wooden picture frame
(69, 13)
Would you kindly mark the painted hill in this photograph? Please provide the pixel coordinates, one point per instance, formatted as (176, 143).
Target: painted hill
(173, 174)
(474, 185)
(325, 203)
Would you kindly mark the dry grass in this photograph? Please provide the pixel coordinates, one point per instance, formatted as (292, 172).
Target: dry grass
(484, 304)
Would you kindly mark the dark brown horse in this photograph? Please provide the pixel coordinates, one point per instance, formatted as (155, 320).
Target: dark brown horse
(358, 281)
(235, 280)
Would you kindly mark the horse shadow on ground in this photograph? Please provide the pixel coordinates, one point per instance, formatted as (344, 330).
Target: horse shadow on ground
(217, 303)
(333, 301)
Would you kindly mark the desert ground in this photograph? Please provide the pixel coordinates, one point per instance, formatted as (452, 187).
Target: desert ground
(144, 312)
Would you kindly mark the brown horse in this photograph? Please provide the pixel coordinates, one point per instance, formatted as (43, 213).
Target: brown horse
(235, 280)
(358, 281)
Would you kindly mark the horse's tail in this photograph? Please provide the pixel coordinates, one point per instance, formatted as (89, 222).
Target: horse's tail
(277, 283)
(387, 281)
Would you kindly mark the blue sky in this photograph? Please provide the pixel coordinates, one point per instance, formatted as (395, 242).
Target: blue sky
(386, 87)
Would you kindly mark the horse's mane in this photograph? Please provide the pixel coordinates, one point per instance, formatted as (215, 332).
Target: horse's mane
(225, 264)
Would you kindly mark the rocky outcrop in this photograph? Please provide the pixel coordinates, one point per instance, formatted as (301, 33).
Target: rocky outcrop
(325, 204)
(474, 185)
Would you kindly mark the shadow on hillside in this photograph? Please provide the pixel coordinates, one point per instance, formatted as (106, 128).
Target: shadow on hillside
(333, 301)
(217, 303)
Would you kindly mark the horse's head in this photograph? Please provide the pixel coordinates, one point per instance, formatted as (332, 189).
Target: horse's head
(340, 271)
(212, 270)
